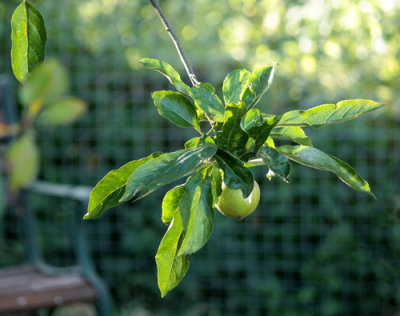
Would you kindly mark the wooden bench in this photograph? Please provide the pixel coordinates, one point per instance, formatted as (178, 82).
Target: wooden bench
(35, 285)
(26, 288)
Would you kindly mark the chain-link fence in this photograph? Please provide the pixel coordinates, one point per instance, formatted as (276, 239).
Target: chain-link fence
(313, 247)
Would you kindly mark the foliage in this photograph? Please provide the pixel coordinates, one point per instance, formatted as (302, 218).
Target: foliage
(29, 40)
(45, 104)
(240, 136)
(42, 94)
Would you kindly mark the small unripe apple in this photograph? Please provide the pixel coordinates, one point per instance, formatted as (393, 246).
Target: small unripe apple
(231, 202)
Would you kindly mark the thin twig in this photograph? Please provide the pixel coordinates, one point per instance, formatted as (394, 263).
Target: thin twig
(176, 42)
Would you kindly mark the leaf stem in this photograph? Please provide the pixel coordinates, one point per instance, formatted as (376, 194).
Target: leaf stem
(176, 42)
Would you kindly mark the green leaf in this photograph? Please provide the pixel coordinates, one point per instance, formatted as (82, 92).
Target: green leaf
(171, 268)
(166, 169)
(258, 127)
(168, 71)
(216, 184)
(176, 108)
(48, 81)
(63, 111)
(234, 85)
(208, 101)
(109, 190)
(314, 158)
(236, 176)
(276, 162)
(197, 212)
(328, 113)
(252, 119)
(170, 203)
(28, 39)
(23, 159)
(194, 142)
(293, 133)
(257, 84)
(270, 142)
(231, 137)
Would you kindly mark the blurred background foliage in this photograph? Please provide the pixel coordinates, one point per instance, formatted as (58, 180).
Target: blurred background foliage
(313, 247)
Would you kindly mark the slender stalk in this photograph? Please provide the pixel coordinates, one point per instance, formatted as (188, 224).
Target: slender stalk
(176, 42)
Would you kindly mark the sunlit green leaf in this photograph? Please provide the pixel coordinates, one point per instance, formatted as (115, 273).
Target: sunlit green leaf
(168, 71)
(258, 127)
(293, 133)
(276, 162)
(236, 176)
(28, 39)
(328, 113)
(171, 268)
(234, 85)
(191, 143)
(109, 190)
(48, 81)
(170, 203)
(257, 84)
(23, 159)
(270, 142)
(63, 111)
(314, 158)
(166, 169)
(197, 212)
(208, 101)
(252, 119)
(177, 108)
(194, 142)
(231, 137)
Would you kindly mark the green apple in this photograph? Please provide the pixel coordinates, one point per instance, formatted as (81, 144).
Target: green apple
(231, 202)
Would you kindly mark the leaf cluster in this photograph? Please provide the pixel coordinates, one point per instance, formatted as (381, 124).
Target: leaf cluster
(43, 94)
(234, 136)
(45, 103)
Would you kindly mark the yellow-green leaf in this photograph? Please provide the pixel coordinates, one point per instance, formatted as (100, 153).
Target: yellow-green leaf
(63, 111)
(234, 85)
(314, 158)
(23, 159)
(171, 268)
(177, 108)
(257, 84)
(109, 190)
(168, 71)
(329, 113)
(48, 81)
(197, 212)
(28, 39)
(208, 102)
(170, 203)
(166, 169)
(293, 133)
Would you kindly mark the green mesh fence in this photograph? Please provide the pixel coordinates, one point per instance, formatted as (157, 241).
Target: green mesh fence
(313, 247)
